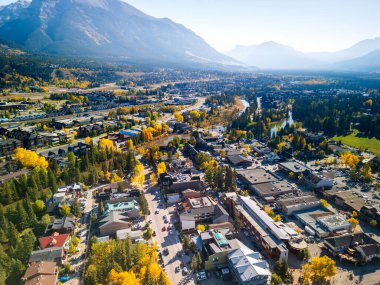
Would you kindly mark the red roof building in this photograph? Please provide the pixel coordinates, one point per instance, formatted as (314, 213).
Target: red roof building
(55, 240)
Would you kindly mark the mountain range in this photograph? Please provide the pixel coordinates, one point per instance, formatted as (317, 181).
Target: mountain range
(104, 28)
(115, 29)
(363, 56)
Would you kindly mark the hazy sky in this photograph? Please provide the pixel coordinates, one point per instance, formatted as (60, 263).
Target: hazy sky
(307, 25)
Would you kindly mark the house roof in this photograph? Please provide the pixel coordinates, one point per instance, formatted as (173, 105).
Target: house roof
(42, 280)
(238, 159)
(47, 254)
(40, 268)
(248, 264)
(256, 176)
(55, 240)
(113, 217)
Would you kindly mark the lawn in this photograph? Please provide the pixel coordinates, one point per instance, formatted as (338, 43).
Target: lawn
(372, 144)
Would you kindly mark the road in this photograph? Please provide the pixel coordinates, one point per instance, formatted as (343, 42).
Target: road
(77, 261)
(165, 239)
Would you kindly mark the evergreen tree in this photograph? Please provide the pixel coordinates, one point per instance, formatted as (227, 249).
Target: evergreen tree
(144, 207)
(22, 217)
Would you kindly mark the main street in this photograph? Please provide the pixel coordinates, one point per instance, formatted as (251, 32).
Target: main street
(166, 240)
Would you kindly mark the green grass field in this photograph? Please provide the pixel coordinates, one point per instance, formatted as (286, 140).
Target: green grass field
(373, 144)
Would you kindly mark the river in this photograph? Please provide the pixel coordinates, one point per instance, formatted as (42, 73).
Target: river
(289, 121)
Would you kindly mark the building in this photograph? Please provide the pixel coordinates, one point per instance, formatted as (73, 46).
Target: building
(270, 235)
(371, 212)
(301, 203)
(316, 181)
(8, 146)
(53, 254)
(239, 160)
(134, 235)
(348, 200)
(63, 225)
(255, 176)
(216, 244)
(334, 223)
(292, 166)
(354, 247)
(113, 222)
(248, 267)
(196, 210)
(41, 273)
(271, 190)
(55, 240)
(129, 207)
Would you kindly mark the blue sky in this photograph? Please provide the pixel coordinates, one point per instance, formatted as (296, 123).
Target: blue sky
(307, 25)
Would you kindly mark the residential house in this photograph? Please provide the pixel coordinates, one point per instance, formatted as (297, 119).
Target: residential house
(55, 240)
(52, 254)
(41, 273)
(8, 146)
(248, 267)
(113, 222)
(61, 225)
(239, 160)
(129, 207)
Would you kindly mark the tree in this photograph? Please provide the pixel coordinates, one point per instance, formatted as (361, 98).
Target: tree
(76, 208)
(194, 262)
(107, 144)
(354, 214)
(373, 223)
(138, 176)
(186, 243)
(349, 159)
(237, 224)
(354, 222)
(88, 140)
(129, 144)
(144, 207)
(292, 175)
(269, 211)
(324, 203)
(152, 178)
(101, 207)
(65, 210)
(147, 235)
(161, 168)
(276, 280)
(29, 158)
(39, 206)
(277, 218)
(201, 228)
(319, 269)
(199, 261)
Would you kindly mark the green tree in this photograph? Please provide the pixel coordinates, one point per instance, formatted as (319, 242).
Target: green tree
(148, 234)
(143, 204)
(39, 206)
(65, 210)
(76, 208)
(276, 280)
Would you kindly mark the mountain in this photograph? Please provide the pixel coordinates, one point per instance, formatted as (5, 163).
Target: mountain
(104, 28)
(271, 55)
(369, 63)
(358, 50)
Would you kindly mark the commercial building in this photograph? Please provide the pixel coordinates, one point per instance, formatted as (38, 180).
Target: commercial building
(271, 190)
(256, 176)
(292, 166)
(270, 235)
(300, 203)
(129, 207)
(354, 247)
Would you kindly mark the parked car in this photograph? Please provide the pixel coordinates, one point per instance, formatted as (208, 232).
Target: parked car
(201, 275)
(163, 229)
(166, 252)
(185, 271)
(154, 233)
(64, 278)
(177, 269)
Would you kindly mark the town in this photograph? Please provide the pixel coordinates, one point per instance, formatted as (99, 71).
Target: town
(207, 179)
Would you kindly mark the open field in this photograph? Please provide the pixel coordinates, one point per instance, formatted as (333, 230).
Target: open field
(372, 144)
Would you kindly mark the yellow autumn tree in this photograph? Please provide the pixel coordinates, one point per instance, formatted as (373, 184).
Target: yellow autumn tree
(152, 178)
(116, 178)
(122, 278)
(201, 228)
(129, 144)
(324, 203)
(88, 140)
(107, 144)
(138, 177)
(318, 270)
(354, 222)
(161, 168)
(277, 218)
(178, 116)
(349, 159)
(29, 158)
